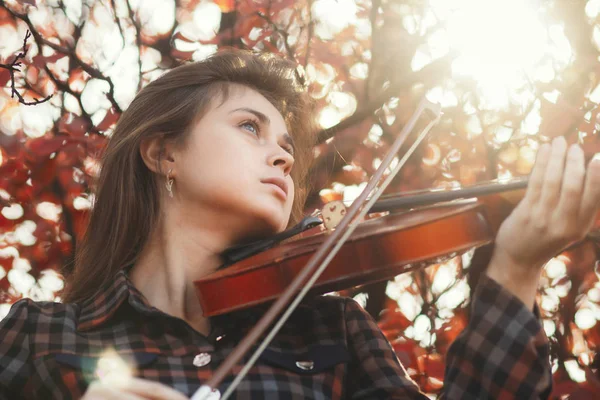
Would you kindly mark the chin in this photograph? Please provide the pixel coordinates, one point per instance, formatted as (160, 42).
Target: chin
(274, 226)
(274, 220)
(269, 221)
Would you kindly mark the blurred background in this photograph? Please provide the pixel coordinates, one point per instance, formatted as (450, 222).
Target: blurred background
(509, 74)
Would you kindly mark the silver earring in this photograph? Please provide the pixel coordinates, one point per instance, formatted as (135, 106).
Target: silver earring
(169, 183)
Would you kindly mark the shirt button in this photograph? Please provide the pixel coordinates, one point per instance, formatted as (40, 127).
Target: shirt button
(305, 365)
(201, 360)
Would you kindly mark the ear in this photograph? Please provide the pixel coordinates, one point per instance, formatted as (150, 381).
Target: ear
(158, 154)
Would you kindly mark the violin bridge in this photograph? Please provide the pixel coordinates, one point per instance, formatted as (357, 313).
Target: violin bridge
(332, 214)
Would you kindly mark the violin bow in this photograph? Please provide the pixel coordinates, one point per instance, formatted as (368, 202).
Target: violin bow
(296, 291)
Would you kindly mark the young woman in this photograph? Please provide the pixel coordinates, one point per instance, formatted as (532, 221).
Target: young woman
(215, 153)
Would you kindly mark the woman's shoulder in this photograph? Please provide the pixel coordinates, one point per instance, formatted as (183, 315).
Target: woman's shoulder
(28, 305)
(26, 313)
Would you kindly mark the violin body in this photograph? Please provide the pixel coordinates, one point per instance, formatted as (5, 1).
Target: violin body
(379, 249)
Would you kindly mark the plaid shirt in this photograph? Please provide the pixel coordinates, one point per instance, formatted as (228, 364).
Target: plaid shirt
(330, 349)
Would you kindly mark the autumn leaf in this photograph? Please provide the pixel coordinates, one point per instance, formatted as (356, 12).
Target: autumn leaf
(4, 76)
(44, 174)
(73, 124)
(245, 26)
(42, 147)
(5, 223)
(226, 5)
(40, 60)
(15, 171)
(432, 366)
(393, 319)
(558, 118)
(109, 120)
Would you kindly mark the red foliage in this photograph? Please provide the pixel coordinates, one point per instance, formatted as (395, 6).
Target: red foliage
(558, 119)
(73, 125)
(450, 329)
(585, 390)
(408, 352)
(40, 148)
(4, 77)
(226, 5)
(109, 120)
(392, 321)
(58, 166)
(431, 367)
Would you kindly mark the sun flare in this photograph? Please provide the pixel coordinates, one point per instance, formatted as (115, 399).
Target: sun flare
(503, 46)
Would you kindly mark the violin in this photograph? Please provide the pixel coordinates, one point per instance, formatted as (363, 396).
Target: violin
(379, 249)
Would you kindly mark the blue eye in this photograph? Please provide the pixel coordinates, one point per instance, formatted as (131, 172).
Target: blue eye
(252, 125)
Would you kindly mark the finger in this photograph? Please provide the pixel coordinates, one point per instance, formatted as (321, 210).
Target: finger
(153, 390)
(536, 179)
(591, 193)
(553, 176)
(572, 185)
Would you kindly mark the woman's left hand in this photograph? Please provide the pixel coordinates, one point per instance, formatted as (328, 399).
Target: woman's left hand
(559, 208)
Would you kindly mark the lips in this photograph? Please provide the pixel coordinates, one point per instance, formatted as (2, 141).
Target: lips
(279, 182)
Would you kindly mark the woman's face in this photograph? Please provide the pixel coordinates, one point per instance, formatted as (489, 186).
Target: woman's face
(236, 165)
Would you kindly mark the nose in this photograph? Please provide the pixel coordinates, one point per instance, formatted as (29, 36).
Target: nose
(281, 158)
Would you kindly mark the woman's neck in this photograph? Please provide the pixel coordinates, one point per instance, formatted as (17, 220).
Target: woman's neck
(165, 271)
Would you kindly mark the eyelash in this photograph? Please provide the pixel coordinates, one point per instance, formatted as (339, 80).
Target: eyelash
(255, 124)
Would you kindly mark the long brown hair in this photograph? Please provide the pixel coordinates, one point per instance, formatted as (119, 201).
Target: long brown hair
(127, 202)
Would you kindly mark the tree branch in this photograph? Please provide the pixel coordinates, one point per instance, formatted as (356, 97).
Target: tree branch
(14, 66)
(93, 72)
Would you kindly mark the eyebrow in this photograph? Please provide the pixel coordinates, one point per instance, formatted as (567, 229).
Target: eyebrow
(261, 117)
(265, 120)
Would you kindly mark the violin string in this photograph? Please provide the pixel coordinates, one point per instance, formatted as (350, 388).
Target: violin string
(302, 293)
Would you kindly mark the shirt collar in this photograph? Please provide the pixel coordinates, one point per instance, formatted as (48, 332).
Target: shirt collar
(99, 308)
